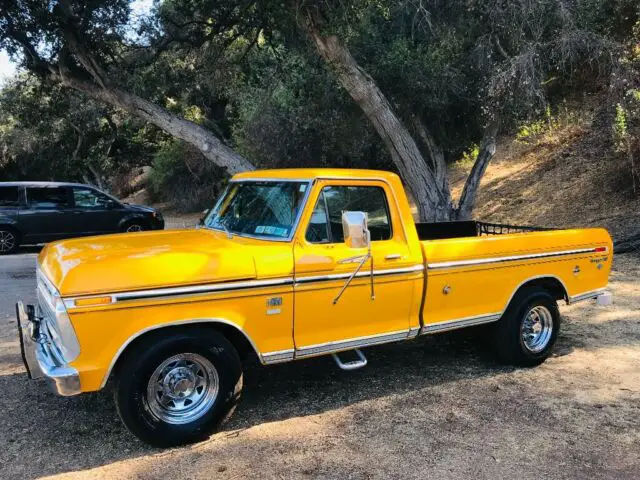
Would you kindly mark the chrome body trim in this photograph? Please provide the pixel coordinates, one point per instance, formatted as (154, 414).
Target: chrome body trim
(179, 291)
(460, 323)
(413, 332)
(42, 359)
(511, 258)
(174, 324)
(228, 286)
(340, 345)
(586, 295)
(281, 356)
(294, 227)
(341, 276)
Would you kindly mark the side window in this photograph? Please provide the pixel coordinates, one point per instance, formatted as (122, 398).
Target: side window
(9, 197)
(318, 230)
(48, 198)
(87, 198)
(327, 214)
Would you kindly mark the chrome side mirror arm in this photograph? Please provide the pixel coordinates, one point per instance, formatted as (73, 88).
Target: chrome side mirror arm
(363, 260)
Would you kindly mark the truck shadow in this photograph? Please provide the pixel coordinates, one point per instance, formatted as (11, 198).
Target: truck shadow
(44, 435)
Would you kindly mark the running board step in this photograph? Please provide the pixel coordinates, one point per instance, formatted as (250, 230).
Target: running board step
(352, 365)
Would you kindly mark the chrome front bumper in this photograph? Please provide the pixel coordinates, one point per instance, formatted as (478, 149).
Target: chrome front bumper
(38, 356)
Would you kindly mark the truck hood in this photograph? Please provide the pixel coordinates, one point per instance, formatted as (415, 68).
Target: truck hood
(136, 261)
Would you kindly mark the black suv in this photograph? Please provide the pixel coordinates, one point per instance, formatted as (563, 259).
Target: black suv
(33, 213)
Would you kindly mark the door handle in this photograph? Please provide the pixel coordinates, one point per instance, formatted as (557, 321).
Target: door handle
(393, 256)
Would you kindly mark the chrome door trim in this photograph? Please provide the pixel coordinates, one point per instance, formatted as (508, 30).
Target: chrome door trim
(341, 276)
(511, 258)
(173, 324)
(340, 345)
(460, 323)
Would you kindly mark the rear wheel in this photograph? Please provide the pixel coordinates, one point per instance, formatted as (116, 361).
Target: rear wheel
(9, 240)
(527, 331)
(179, 388)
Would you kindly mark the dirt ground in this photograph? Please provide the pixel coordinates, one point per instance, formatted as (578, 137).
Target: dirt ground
(436, 407)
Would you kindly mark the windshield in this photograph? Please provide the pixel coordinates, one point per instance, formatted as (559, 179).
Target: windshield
(264, 209)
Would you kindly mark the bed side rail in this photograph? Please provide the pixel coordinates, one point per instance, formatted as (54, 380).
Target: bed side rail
(486, 228)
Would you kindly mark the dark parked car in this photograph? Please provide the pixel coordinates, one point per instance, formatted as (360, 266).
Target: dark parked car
(33, 213)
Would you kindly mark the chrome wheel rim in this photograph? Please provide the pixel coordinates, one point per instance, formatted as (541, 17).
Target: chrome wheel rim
(7, 241)
(536, 329)
(183, 388)
(134, 228)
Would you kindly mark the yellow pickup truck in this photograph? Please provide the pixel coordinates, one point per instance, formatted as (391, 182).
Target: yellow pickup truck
(289, 264)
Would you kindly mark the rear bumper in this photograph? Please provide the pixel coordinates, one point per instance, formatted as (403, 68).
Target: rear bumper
(38, 356)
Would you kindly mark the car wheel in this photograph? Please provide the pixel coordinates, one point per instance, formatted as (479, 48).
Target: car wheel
(178, 388)
(527, 331)
(9, 240)
(135, 226)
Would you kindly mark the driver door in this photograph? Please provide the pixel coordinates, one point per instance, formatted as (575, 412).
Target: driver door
(323, 263)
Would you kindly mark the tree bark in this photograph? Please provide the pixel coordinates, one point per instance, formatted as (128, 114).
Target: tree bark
(424, 182)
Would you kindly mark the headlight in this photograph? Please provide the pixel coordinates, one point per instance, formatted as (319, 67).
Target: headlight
(57, 322)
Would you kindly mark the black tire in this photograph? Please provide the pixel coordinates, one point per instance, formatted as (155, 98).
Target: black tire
(135, 371)
(509, 343)
(9, 240)
(135, 226)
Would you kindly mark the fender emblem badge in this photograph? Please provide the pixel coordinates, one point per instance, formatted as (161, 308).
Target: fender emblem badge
(274, 302)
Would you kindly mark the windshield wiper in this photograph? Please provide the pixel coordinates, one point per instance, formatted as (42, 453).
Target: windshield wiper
(226, 229)
(224, 226)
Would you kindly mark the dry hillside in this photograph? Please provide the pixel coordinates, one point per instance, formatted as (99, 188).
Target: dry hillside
(568, 176)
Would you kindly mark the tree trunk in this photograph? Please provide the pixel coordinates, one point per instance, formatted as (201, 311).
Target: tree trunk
(487, 150)
(433, 201)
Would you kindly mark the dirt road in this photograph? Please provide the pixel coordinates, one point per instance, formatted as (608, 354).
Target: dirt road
(435, 408)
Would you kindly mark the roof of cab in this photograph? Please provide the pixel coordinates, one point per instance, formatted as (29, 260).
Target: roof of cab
(314, 173)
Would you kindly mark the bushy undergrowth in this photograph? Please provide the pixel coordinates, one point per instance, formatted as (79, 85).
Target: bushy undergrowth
(182, 177)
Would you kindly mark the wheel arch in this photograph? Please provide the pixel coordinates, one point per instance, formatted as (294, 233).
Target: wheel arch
(552, 283)
(236, 335)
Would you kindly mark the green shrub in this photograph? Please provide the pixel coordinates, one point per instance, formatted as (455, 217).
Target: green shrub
(182, 177)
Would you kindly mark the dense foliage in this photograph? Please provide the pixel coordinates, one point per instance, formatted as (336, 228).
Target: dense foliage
(247, 72)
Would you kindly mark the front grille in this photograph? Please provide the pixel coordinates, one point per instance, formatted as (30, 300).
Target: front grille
(50, 337)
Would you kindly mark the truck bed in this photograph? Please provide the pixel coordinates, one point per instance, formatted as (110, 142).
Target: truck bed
(472, 228)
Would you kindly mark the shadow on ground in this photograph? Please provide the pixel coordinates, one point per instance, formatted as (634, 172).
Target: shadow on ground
(77, 433)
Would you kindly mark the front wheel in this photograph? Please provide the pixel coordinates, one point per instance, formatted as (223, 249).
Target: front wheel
(527, 331)
(178, 388)
(135, 226)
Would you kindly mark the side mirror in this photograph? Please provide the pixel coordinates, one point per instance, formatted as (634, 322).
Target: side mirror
(357, 235)
(355, 229)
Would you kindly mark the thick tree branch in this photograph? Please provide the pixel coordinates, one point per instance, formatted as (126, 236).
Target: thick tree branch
(433, 203)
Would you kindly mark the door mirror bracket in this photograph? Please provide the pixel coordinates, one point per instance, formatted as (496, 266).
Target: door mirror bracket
(356, 235)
